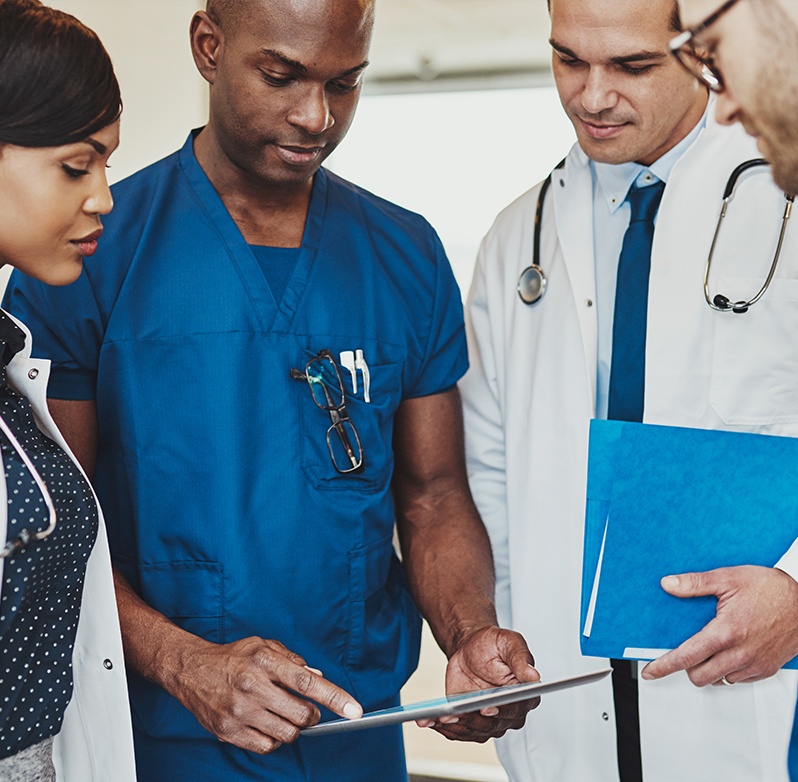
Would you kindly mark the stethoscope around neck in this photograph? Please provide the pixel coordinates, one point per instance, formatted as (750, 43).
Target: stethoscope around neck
(722, 303)
(532, 283)
(25, 538)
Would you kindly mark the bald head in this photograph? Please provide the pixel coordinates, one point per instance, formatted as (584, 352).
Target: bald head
(228, 13)
(285, 77)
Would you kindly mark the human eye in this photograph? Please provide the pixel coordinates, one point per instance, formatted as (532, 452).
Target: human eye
(275, 81)
(568, 62)
(74, 173)
(636, 70)
(344, 87)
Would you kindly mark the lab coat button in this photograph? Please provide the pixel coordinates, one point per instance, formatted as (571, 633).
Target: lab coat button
(588, 302)
(108, 665)
(605, 717)
(33, 374)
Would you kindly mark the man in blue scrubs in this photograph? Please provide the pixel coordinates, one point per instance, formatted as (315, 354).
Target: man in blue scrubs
(248, 498)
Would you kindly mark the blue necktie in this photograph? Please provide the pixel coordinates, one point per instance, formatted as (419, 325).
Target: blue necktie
(627, 373)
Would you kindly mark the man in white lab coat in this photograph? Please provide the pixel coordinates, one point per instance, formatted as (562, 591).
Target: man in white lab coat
(540, 372)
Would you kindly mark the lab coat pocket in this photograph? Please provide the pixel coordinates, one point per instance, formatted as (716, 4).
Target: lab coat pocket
(191, 594)
(755, 361)
(373, 423)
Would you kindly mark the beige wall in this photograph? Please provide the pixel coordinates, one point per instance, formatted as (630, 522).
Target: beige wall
(164, 96)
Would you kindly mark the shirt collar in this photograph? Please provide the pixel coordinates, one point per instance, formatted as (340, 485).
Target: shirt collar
(614, 180)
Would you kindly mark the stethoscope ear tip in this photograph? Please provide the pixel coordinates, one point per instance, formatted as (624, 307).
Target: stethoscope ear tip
(721, 302)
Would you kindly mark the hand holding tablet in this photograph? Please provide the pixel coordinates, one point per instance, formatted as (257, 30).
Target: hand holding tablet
(463, 703)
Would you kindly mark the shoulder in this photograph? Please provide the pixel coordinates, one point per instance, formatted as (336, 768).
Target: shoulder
(142, 182)
(520, 213)
(377, 211)
(719, 148)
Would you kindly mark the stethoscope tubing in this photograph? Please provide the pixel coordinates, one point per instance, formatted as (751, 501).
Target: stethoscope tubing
(720, 303)
(25, 537)
(532, 282)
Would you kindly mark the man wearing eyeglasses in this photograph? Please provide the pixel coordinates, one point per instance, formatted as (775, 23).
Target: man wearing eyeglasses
(624, 330)
(262, 365)
(758, 626)
(747, 50)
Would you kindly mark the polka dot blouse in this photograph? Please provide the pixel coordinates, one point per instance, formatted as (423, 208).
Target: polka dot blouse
(42, 585)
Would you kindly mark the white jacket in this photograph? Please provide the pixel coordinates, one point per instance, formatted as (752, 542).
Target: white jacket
(529, 397)
(96, 740)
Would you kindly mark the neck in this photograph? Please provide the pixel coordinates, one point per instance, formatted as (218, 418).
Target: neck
(266, 213)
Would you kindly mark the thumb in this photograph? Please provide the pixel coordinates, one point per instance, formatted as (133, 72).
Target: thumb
(519, 659)
(693, 584)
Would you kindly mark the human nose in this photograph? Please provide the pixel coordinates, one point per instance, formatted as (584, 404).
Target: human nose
(100, 201)
(312, 113)
(727, 109)
(597, 92)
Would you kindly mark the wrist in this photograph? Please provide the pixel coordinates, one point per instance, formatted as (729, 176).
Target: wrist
(466, 632)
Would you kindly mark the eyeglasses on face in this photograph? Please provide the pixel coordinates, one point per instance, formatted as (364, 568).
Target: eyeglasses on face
(694, 57)
(327, 389)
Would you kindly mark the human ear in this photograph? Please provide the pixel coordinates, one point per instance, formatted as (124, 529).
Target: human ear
(206, 43)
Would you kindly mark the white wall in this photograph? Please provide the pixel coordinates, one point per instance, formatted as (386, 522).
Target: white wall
(163, 94)
(457, 158)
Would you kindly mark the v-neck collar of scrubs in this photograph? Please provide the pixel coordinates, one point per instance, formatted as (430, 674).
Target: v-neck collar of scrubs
(273, 316)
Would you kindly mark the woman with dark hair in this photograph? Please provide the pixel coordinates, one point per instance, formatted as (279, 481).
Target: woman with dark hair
(63, 698)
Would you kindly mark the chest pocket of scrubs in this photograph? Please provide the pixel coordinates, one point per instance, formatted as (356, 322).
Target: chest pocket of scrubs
(373, 421)
(755, 361)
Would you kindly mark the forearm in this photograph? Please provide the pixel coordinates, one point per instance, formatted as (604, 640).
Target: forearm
(445, 548)
(155, 648)
(447, 558)
(254, 693)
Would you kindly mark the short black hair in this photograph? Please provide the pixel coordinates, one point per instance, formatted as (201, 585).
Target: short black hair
(57, 82)
(676, 17)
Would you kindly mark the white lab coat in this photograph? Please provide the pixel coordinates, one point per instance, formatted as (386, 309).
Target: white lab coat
(529, 397)
(96, 740)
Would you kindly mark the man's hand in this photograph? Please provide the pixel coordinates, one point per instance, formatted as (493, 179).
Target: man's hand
(248, 692)
(489, 657)
(754, 632)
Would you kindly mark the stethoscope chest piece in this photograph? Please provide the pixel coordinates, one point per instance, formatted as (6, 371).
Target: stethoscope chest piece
(532, 284)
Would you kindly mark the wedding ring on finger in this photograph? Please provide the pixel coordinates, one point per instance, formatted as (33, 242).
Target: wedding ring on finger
(724, 680)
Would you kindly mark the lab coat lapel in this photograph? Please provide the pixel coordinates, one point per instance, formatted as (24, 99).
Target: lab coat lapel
(572, 195)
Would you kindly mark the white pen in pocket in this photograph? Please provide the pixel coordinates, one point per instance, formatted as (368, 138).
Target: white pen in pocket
(347, 359)
(360, 363)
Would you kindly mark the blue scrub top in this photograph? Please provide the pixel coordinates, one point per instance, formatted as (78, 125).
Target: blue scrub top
(223, 507)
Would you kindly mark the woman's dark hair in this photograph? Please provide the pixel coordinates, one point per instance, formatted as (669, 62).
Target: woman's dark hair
(57, 84)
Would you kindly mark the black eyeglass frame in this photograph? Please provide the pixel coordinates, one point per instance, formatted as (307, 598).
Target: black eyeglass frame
(688, 58)
(338, 414)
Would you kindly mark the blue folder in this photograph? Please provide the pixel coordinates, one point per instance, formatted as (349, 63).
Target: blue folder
(664, 500)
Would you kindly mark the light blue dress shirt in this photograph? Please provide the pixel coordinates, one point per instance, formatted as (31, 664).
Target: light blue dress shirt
(611, 184)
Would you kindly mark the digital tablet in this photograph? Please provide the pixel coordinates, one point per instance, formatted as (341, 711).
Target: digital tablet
(455, 704)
